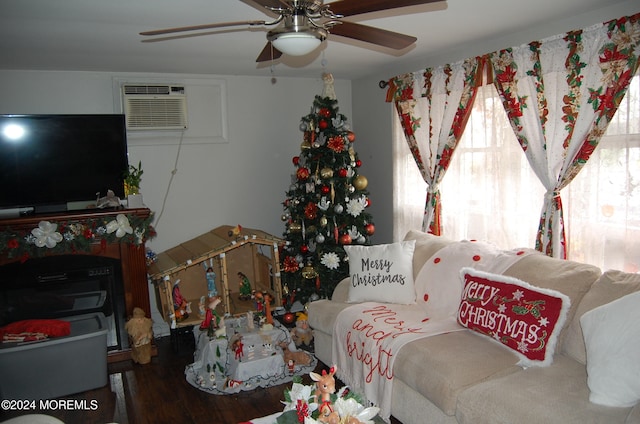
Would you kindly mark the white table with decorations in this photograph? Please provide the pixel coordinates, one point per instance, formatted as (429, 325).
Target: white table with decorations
(221, 368)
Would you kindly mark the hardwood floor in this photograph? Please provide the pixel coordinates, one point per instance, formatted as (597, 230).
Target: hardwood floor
(158, 393)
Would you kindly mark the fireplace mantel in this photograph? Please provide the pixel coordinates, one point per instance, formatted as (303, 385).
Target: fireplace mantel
(132, 257)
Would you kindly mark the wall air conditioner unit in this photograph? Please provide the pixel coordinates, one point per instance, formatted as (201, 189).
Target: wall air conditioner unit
(153, 107)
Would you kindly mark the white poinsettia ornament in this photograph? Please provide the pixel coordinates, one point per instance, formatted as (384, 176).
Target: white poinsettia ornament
(46, 235)
(356, 206)
(330, 260)
(120, 225)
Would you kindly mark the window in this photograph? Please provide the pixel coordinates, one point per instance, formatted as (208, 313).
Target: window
(490, 192)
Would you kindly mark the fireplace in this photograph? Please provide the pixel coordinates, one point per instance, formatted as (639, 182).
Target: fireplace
(65, 286)
(108, 276)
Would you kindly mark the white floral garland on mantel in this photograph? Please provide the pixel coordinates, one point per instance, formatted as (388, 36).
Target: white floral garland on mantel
(74, 236)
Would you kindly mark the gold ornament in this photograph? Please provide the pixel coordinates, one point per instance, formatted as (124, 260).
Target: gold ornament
(323, 221)
(295, 227)
(305, 145)
(309, 272)
(326, 173)
(360, 182)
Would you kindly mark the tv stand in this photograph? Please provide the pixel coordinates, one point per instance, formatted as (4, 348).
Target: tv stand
(132, 257)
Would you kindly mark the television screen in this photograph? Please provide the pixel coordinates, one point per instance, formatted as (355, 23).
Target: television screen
(50, 161)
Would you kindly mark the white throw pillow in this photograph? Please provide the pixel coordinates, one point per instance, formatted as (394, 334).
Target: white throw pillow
(382, 273)
(612, 338)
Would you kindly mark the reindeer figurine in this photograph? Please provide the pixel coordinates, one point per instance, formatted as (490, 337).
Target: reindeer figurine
(325, 387)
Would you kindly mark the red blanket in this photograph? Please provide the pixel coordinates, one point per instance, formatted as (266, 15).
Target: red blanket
(34, 329)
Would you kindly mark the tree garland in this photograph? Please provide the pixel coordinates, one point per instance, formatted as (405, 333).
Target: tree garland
(75, 236)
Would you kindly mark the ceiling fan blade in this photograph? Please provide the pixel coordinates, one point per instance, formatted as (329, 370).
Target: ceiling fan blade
(271, 3)
(268, 53)
(201, 27)
(381, 37)
(352, 7)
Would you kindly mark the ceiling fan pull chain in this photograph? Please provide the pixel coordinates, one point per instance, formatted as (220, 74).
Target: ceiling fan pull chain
(273, 67)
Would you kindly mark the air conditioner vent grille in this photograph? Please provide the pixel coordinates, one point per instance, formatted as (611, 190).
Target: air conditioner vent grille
(147, 89)
(155, 107)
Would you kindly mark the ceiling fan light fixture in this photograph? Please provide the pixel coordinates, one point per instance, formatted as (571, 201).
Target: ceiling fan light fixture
(296, 43)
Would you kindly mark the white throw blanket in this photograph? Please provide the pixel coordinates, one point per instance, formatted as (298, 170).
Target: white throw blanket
(368, 336)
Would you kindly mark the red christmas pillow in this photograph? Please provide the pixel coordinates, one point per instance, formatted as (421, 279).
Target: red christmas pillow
(522, 317)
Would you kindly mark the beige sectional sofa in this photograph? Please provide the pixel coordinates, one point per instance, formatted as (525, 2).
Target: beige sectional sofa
(462, 377)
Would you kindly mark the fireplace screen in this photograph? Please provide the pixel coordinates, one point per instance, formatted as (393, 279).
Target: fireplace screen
(63, 286)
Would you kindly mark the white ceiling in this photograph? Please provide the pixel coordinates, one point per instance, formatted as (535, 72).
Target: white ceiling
(102, 35)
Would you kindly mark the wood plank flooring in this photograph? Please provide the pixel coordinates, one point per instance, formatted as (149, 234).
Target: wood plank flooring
(158, 393)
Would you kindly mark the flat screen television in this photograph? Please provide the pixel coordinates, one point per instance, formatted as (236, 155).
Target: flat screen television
(55, 163)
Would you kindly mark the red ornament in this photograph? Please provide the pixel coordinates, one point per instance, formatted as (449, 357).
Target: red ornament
(370, 229)
(296, 160)
(345, 239)
(342, 173)
(351, 137)
(325, 189)
(302, 173)
(336, 144)
(289, 318)
(324, 112)
(323, 124)
(310, 136)
(304, 249)
(311, 210)
(368, 203)
(358, 163)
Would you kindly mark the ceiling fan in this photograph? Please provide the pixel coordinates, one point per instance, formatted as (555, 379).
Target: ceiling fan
(301, 25)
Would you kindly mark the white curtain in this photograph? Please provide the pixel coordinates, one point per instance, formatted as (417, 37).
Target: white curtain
(560, 94)
(433, 106)
(602, 204)
(492, 193)
(603, 201)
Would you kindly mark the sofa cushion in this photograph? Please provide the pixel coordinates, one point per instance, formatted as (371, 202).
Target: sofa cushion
(554, 394)
(426, 246)
(571, 278)
(323, 313)
(610, 286)
(513, 313)
(438, 284)
(612, 337)
(440, 367)
(382, 273)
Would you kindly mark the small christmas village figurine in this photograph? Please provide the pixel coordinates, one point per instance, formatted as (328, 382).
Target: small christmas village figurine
(211, 278)
(245, 287)
(302, 333)
(181, 307)
(213, 323)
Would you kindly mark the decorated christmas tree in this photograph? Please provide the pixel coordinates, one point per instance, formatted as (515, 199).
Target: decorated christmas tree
(325, 206)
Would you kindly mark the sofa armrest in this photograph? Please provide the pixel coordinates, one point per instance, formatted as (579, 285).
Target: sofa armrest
(634, 415)
(341, 292)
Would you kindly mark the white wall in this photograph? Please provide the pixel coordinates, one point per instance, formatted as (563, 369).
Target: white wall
(372, 116)
(239, 182)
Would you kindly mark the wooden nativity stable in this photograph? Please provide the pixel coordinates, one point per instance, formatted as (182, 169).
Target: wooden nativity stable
(227, 250)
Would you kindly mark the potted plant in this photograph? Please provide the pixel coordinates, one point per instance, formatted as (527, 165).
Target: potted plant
(132, 178)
